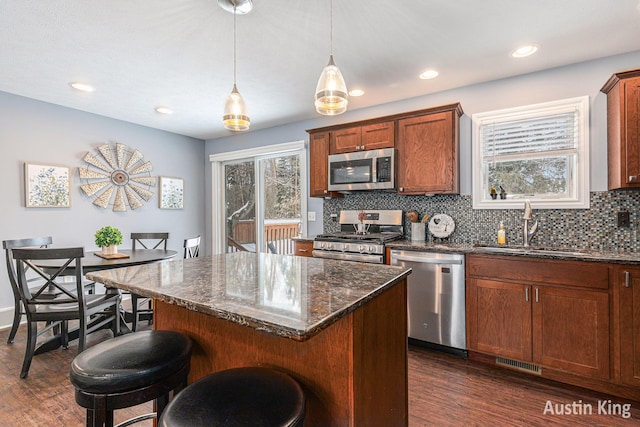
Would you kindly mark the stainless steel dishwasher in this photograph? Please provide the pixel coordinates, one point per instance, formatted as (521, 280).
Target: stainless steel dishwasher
(435, 297)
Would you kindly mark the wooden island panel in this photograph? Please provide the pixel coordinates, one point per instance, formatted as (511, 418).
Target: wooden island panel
(354, 372)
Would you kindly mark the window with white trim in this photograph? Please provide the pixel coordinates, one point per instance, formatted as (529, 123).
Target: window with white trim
(538, 152)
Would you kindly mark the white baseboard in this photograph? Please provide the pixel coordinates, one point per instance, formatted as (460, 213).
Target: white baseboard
(6, 317)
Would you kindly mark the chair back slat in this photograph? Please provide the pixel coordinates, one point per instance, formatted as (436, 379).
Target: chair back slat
(192, 247)
(25, 261)
(149, 240)
(9, 246)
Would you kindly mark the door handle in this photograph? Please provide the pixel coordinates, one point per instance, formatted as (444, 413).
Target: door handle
(627, 279)
(537, 295)
(526, 294)
(426, 259)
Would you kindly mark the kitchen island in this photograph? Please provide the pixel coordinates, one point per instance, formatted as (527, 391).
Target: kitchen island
(339, 328)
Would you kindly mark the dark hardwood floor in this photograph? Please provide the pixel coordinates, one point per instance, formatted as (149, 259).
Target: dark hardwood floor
(444, 390)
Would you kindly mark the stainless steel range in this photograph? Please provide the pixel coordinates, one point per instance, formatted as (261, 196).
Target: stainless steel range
(362, 236)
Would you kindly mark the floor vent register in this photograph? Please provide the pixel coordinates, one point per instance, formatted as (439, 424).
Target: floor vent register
(520, 366)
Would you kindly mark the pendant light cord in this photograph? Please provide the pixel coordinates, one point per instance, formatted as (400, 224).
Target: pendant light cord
(331, 28)
(234, 44)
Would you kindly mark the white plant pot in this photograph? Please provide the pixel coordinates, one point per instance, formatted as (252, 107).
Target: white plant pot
(110, 250)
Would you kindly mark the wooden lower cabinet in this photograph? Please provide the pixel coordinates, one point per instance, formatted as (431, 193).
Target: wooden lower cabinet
(578, 321)
(303, 247)
(571, 330)
(564, 327)
(501, 319)
(627, 287)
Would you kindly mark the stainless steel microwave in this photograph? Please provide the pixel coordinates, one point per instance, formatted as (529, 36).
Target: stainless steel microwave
(362, 170)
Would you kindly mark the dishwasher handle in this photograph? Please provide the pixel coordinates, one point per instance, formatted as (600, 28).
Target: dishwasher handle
(429, 260)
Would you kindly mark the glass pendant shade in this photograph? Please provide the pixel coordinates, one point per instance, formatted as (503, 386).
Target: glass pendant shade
(235, 115)
(331, 92)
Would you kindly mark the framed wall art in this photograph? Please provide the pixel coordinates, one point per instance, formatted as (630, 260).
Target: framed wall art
(171, 193)
(47, 186)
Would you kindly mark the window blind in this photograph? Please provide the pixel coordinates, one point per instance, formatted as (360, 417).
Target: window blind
(551, 132)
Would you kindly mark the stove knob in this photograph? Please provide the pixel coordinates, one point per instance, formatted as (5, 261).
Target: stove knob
(362, 248)
(372, 249)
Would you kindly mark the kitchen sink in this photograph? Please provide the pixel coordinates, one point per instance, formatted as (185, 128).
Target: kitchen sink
(541, 250)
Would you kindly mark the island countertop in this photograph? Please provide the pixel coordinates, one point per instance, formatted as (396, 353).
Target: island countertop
(289, 296)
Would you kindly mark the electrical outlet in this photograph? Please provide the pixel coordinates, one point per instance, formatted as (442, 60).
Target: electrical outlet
(311, 216)
(623, 219)
(334, 217)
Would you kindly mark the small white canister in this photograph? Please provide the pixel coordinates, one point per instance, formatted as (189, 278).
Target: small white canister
(418, 233)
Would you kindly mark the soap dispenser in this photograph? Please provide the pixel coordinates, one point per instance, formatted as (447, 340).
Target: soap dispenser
(502, 235)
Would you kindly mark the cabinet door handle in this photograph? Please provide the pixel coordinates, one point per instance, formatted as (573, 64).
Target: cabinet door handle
(303, 250)
(537, 295)
(526, 294)
(633, 178)
(401, 189)
(326, 191)
(627, 279)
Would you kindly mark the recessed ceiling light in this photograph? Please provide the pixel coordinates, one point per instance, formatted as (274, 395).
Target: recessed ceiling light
(82, 87)
(356, 92)
(429, 74)
(164, 110)
(524, 51)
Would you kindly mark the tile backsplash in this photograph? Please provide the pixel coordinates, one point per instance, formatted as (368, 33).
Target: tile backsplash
(595, 228)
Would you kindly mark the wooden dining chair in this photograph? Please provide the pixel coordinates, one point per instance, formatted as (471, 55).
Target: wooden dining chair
(149, 240)
(141, 307)
(192, 247)
(18, 311)
(8, 245)
(92, 311)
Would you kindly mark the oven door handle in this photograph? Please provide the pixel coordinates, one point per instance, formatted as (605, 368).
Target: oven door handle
(429, 260)
(374, 259)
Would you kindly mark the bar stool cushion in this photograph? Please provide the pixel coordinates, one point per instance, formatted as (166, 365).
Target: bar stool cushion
(130, 361)
(251, 396)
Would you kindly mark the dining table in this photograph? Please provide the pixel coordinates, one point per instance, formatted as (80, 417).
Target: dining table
(93, 262)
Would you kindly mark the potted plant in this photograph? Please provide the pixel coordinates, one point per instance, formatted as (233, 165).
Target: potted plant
(108, 238)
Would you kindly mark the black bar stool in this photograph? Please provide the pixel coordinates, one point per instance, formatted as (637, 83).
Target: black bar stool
(129, 370)
(257, 397)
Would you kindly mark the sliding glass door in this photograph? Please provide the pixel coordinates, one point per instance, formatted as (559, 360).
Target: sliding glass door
(264, 200)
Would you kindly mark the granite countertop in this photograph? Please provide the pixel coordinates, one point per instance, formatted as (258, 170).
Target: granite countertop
(632, 258)
(290, 296)
(304, 238)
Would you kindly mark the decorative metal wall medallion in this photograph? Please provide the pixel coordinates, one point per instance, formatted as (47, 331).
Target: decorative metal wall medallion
(117, 175)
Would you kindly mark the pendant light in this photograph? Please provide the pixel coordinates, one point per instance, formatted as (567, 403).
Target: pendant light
(331, 91)
(235, 115)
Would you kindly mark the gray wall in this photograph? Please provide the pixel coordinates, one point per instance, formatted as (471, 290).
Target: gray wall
(565, 82)
(34, 131)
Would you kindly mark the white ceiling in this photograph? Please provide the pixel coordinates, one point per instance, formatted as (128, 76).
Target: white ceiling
(140, 54)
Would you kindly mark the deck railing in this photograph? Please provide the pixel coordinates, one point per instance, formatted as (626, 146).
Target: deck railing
(278, 237)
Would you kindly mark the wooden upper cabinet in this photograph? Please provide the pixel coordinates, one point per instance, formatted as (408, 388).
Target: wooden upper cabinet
(426, 141)
(623, 129)
(428, 153)
(319, 166)
(359, 138)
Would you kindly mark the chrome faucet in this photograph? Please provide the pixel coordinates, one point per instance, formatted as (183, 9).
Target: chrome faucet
(527, 234)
